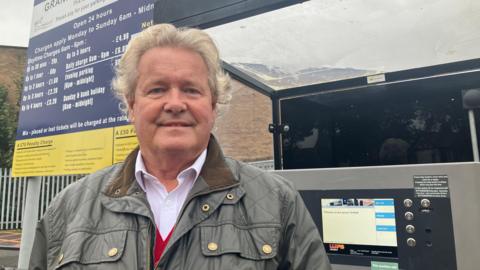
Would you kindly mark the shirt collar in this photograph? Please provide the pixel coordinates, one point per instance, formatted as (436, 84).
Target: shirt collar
(191, 172)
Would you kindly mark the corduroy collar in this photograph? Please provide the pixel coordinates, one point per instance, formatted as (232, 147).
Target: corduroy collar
(215, 172)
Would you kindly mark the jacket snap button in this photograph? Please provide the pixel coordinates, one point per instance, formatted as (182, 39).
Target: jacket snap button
(230, 196)
(205, 207)
(267, 249)
(60, 258)
(212, 246)
(112, 252)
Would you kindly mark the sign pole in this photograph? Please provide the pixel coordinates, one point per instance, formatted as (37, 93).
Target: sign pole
(473, 133)
(29, 222)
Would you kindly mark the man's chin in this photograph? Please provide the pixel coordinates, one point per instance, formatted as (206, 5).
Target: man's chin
(177, 145)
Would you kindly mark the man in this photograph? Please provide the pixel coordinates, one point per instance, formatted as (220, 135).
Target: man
(176, 202)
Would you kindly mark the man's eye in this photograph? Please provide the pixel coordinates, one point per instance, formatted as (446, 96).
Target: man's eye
(191, 90)
(157, 90)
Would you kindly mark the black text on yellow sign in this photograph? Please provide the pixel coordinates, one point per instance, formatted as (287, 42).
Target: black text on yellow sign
(74, 153)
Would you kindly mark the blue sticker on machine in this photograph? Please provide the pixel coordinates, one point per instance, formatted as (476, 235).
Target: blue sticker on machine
(72, 52)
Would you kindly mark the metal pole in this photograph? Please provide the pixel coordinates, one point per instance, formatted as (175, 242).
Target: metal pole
(4, 178)
(277, 148)
(18, 193)
(9, 204)
(29, 223)
(473, 134)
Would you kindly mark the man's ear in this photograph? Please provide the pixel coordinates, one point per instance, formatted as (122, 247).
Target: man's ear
(214, 105)
(130, 103)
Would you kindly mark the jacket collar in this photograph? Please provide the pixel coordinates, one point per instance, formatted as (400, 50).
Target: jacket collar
(215, 173)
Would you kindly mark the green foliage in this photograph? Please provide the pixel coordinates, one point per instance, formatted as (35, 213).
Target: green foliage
(8, 123)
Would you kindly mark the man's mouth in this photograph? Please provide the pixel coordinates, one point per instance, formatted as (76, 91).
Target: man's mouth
(175, 124)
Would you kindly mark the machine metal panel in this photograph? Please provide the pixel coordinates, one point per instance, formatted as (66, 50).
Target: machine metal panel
(464, 190)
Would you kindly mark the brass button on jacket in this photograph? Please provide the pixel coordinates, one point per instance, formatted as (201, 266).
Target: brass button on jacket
(112, 252)
(60, 258)
(267, 249)
(212, 246)
(205, 207)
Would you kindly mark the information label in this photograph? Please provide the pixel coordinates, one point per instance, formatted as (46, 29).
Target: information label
(431, 186)
(73, 49)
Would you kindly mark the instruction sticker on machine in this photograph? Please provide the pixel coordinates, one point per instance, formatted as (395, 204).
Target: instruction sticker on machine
(431, 186)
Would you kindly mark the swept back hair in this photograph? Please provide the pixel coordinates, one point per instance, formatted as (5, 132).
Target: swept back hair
(167, 35)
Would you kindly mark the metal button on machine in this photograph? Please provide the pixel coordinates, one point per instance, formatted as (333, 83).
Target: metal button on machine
(407, 203)
(410, 229)
(411, 242)
(408, 215)
(425, 203)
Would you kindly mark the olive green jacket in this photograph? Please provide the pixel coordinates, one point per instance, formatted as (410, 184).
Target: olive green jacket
(235, 217)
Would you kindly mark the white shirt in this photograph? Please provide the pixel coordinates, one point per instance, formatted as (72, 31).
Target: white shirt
(165, 205)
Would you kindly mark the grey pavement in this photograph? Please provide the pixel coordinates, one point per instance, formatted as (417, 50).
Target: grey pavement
(8, 258)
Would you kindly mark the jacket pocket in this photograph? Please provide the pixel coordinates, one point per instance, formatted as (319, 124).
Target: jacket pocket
(91, 248)
(250, 242)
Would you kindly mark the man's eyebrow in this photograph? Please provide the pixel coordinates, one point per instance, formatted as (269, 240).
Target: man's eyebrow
(186, 81)
(154, 81)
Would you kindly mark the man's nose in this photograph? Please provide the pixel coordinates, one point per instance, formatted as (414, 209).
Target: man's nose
(175, 103)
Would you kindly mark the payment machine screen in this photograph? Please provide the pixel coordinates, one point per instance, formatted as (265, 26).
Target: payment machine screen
(359, 226)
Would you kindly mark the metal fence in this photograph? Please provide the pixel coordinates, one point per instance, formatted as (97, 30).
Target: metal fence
(12, 195)
(13, 191)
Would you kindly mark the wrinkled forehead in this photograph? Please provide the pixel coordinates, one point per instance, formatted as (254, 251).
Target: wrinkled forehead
(209, 74)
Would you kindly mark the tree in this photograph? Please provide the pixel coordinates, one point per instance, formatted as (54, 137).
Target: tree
(7, 129)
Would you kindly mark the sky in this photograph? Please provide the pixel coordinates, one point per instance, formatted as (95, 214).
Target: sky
(15, 19)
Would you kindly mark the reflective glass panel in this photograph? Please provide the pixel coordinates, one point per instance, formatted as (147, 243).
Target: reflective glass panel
(321, 41)
(406, 123)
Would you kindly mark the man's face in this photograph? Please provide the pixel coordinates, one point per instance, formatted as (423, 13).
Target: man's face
(172, 110)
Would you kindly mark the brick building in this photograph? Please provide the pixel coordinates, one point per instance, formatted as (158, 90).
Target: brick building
(242, 126)
(12, 67)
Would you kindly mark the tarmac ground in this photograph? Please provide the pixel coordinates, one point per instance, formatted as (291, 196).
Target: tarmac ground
(8, 258)
(9, 248)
